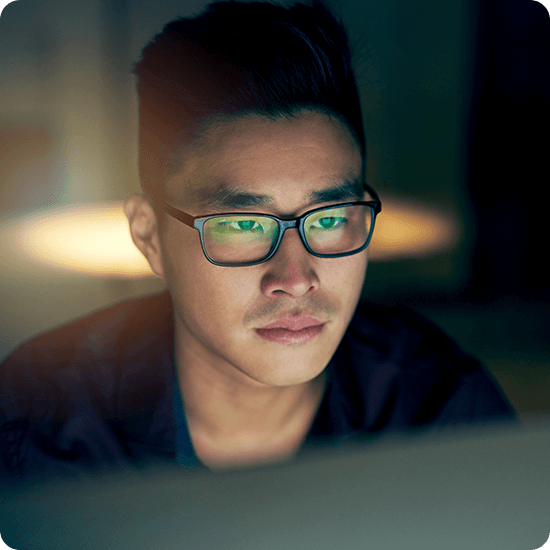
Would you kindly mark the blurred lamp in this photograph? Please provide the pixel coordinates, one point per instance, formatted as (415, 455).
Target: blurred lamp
(95, 239)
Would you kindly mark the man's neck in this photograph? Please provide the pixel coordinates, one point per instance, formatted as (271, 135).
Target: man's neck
(236, 422)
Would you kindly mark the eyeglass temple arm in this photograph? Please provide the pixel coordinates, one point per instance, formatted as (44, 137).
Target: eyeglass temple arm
(175, 213)
(375, 196)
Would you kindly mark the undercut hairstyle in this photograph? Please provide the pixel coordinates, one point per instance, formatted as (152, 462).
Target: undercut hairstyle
(239, 59)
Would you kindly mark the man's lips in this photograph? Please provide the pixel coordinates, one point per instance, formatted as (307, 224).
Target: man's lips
(294, 323)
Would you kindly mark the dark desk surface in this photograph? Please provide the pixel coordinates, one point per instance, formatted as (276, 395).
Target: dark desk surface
(488, 489)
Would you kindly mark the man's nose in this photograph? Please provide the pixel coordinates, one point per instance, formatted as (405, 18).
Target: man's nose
(290, 271)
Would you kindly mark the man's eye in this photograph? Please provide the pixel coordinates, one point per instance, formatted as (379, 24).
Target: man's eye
(329, 222)
(248, 226)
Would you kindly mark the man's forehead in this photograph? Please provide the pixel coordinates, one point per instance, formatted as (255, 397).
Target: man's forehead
(257, 163)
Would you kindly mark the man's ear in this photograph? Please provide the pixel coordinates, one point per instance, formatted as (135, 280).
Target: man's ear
(145, 231)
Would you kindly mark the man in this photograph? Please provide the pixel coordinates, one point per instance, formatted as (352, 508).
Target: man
(257, 216)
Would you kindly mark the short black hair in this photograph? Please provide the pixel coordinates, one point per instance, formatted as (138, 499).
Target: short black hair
(239, 58)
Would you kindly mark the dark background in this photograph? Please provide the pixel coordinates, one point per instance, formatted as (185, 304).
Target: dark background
(456, 99)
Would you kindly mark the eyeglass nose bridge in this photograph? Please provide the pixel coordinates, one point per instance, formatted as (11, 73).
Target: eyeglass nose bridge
(284, 225)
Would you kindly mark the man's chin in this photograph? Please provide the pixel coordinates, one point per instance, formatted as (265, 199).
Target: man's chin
(288, 368)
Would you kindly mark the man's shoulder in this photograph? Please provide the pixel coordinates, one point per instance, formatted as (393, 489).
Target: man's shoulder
(95, 391)
(404, 338)
(401, 370)
(105, 333)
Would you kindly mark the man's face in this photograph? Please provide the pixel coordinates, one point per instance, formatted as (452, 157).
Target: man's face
(219, 309)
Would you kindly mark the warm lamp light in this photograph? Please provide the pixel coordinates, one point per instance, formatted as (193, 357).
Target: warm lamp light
(89, 238)
(407, 229)
(95, 238)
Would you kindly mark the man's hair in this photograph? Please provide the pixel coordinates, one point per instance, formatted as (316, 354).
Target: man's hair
(239, 59)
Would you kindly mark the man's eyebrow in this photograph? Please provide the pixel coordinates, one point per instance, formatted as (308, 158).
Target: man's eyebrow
(347, 190)
(227, 197)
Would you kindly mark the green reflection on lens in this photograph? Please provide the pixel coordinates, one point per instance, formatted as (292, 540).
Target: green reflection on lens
(326, 220)
(240, 229)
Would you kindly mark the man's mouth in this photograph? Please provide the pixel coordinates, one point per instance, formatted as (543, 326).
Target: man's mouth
(292, 330)
(294, 323)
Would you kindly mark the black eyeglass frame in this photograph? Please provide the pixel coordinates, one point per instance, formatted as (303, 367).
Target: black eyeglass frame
(197, 222)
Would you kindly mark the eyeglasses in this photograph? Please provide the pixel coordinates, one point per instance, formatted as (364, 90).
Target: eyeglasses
(246, 239)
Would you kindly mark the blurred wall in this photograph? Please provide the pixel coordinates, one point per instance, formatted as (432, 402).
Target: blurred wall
(54, 77)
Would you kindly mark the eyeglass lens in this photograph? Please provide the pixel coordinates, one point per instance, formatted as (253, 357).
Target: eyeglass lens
(243, 239)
